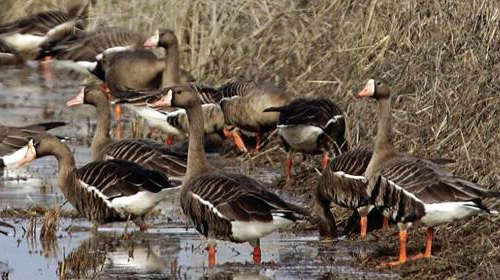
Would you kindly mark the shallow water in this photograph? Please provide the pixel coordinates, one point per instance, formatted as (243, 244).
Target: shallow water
(168, 250)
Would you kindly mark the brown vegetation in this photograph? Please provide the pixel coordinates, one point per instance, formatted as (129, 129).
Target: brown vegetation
(441, 58)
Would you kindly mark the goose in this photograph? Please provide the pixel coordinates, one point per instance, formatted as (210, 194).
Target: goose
(88, 49)
(176, 120)
(103, 191)
(143, 70)
(144, 152)
(409, 189)
(8, 55)
(244, 103)
(14, 138)
(224, 206)
(27, 34)
(310, 126)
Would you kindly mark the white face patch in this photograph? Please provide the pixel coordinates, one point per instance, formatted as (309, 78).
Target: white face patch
(370, 86)
(168, 98)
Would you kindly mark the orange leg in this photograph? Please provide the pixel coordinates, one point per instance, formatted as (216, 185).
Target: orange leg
(428, 247)
(364, 226)
(118, 119)
(385, 223)
(326, 159)
(257, 255)
(403, 238)
(211, 255)
(236, 138)
(257, 144)
(169, 141)
(47, 73)
(289, 164)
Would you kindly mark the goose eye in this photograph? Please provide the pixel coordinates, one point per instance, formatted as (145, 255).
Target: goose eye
(178, 91)
(379, 83)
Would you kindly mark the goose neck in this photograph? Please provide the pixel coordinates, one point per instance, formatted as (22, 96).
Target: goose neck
(171, 75)
(101, 136)
(197, 162)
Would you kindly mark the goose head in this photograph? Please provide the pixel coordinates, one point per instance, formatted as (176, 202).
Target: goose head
(178, 96)
(375, 88)
(88, 95)
(39, 146)
(162, 38)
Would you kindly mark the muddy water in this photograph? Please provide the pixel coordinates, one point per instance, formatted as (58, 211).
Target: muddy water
(166, 251)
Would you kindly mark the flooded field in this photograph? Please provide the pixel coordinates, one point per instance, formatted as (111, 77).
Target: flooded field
(169, 250)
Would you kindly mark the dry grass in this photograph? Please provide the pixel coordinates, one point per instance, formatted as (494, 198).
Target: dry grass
(441, 58)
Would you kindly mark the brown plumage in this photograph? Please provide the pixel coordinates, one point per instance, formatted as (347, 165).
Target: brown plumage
(8, 55)
(50, 27)
(244, 102)
(409, 189)
(144, 152)
(14, 138)
(103, 191)
(142, 70)
(222, 205)
(311, 126)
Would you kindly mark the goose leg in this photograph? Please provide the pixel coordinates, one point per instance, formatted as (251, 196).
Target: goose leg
(257, 253)
(403, 238)
(257, 144)
(169, 141)
(236, 138)
(289, 164)
(364, 225)
(211, 253)
(47, 73)
(385, 223)
(326, 159)
(141, 224)
(118, 119)
(428, 247)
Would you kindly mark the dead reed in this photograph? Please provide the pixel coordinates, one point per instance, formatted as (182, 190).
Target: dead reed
(441, 58)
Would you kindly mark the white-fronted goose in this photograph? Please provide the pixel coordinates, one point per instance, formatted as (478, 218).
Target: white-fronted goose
(103, 191)
(177, 123)
(244, 104)
(144, 152)
(27, 34)
(409, 189)
(311, 126)
(143, 70)
(13, 138)
(222, 205)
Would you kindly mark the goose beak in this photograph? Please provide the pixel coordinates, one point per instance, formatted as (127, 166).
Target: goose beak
(165, 101)
(78, 99)
(153, 40)
(30, 154)
(368, 90)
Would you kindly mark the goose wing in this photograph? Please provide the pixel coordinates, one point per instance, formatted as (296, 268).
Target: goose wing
(149, 154)
(117, 178)
(240, 198)
(432, 184)
(13, 138)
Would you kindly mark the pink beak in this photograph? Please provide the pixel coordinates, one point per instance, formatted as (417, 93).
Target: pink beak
(78, 99)
(364, 93)
(152, 42)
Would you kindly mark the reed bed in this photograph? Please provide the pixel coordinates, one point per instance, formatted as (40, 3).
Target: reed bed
(440, 57)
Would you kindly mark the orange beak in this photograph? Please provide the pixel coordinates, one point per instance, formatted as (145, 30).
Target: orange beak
(78, 99)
